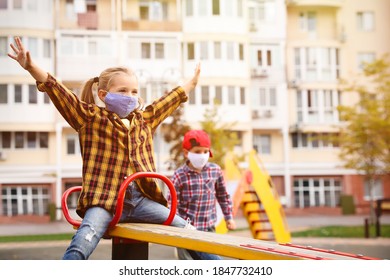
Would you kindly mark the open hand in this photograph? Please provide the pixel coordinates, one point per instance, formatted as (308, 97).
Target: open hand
(21, 55)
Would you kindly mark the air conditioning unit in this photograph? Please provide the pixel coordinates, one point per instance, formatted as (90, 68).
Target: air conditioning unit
(267, 114)
(255, 114)
(260, 72)
(2, 156)
(261, 114)
(293, 84)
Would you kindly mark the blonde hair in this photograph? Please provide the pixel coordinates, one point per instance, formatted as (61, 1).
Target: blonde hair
(104, 82)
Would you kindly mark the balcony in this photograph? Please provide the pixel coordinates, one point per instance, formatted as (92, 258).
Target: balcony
(148, 25)
(321, 3)
(88, 20)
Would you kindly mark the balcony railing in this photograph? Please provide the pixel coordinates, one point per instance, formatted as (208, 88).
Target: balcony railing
(324, 3)
(88, 20)
(172, 26)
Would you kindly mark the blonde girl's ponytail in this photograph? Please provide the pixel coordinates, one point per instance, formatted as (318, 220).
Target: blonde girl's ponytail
(86, 92)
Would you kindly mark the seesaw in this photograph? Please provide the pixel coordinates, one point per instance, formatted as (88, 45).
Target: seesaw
(131, 240)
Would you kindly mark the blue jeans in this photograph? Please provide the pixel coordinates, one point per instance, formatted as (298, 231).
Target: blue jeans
(136, 208)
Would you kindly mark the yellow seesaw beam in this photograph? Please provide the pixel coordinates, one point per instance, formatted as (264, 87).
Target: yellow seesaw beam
(226, 245)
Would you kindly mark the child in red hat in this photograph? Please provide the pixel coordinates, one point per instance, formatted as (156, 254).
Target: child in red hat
(200, 185)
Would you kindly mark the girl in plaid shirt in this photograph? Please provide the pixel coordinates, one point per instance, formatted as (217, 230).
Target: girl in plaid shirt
(116, 140)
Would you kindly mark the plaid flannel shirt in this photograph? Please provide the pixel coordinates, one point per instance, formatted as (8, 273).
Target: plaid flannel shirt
(198, 193)
(110, 150)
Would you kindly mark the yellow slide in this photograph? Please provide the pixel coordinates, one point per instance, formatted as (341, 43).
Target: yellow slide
(253, 190)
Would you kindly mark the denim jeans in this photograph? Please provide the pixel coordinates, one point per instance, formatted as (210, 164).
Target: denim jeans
(136, 208)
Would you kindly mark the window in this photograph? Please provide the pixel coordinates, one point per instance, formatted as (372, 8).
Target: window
(230, 50)
(192, 98)
(217, 50)
(316, 64)
(5, 139)
(318, 106)
(239, 8)
(159, 50)
(17, 4)
(44, 140)
(72, 144)
(266, 97)
(377, 189)
(3, 94)
(363, 59)
(24, 200)
(312, 140)
(32, 5)
(205, 95)
(3, 46)
(3, 4)
(218, 95)
(365, 21)
(308, 21)
(242, 96)
(269, 58)
(311, 192)
(241, 51)
(262, 143)
(32, 94)
(153, 10)
(18, 94)
(33, 46)
(70, 11)
(204, 54)
(264, 57)
(189, 8)
(46, 99)
(216, 8)
(19, 140)
(259, 58)
(190, 51)
(231, 97)
(146, 49)
(202, 7)
(31, 139)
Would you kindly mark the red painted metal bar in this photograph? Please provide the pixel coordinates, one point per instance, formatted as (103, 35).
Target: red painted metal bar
(64, 205)
(330, 251)
(282, 252)
(121, 198)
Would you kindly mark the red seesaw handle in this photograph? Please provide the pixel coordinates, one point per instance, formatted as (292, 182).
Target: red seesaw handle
(121, 198)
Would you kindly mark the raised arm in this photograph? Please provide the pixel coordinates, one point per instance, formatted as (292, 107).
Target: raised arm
(22, 56)
(191, 84)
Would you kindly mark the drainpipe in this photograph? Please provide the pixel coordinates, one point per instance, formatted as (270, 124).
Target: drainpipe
(59, 127)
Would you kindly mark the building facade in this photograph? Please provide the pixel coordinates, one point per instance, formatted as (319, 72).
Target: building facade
(272, 65)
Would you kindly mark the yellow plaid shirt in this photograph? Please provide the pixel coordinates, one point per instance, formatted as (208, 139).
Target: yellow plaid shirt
(111, 150)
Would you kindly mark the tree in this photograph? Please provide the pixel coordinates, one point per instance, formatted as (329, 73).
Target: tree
(222, 138)
(365, 139)
(173, 133)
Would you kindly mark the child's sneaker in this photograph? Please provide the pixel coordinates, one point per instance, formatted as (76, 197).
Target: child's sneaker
(189, 226)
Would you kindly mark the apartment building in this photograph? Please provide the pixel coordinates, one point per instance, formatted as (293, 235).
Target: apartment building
(327, 41)
(273, 65)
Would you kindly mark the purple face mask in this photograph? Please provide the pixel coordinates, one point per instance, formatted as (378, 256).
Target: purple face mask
(120, 104)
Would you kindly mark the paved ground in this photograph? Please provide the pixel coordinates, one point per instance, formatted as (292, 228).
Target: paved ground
(374, 247)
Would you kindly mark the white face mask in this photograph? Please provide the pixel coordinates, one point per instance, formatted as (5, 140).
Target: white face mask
(198, 160)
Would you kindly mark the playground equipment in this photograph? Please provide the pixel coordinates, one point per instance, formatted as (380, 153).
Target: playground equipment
(252, 190)
(130, 240)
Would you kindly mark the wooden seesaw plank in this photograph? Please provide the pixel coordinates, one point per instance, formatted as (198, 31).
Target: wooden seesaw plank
(226, 245)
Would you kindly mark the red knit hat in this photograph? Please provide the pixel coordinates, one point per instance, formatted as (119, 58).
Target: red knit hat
(196, 138)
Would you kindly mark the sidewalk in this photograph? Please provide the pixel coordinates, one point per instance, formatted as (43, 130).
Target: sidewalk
(373, 247)
(294, 223)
